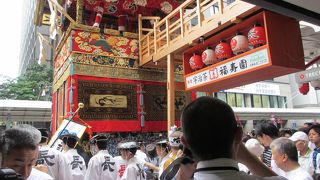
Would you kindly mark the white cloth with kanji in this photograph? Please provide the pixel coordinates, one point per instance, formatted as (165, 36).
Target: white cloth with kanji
(72, 166)
(120, 166)
(101, 166)
(49, 157)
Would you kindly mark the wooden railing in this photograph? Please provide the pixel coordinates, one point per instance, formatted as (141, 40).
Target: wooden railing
(192, 19)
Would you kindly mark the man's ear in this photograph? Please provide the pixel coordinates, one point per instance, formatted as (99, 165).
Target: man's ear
(284, 158)
(184, 142)
(238, 135)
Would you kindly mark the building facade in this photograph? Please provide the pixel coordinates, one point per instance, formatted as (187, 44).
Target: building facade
(30, 46)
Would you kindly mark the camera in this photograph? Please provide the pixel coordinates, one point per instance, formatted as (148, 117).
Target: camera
(9, 174)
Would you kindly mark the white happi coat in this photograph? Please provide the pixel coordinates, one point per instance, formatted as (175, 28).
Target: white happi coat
(101, 166)
(72, 166)
(121, 165)
(49, 157)
(134, 170)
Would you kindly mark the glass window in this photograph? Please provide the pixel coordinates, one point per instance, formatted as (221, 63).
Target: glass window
(248, 100)
(281, 102)
(222, 96)
(265, 101)
(240, 100)
(257, 101)
(273, 102)
(231, 99)
(200, 94)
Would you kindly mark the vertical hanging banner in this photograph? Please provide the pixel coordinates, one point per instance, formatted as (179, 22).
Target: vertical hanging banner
(66, 128)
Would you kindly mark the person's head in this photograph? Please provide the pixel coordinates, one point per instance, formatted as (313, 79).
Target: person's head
(162, 148)
(69, 141)
(100, 141)
(284, 152)
(301, 140)
(141, 146)
(210, 129)
(151, 150)
(120, 149)
(129, 149)
(307, 125)
(19, 150)
(314, 134)
(266, 132)
(285, 133)
(44, 136)
(254, 146)
(175, 138)
(35, 133)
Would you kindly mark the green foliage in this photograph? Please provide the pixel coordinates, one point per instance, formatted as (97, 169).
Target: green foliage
(29, 85)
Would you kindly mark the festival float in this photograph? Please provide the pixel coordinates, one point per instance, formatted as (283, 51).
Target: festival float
(135, 64)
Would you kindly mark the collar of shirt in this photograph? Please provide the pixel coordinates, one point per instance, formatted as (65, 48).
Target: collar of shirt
(72, 151)
(103, 152)
(220, 162)
(307, 155)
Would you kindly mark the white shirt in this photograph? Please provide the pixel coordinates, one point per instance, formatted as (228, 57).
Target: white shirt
(298, 174)
(226, 174)
(39, 175)
(101, 166)
(306, 161)
(72, 166)
(120, 166)
(49, 157)
(276, 169)
(141, 155)
(134, 170)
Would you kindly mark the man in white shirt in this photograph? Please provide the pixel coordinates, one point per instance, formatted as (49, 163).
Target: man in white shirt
(120, 161)
(101, 165)
(72, 165)
(285, 155)
(48, 156)
(134, 169)
(301, 141)
(19, 151)
(211, 132)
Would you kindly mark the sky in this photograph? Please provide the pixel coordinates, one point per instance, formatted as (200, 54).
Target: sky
(10, 34)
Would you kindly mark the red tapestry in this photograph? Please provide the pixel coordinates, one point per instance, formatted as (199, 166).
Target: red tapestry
(132, 7)
(62, 56)
(105, 45)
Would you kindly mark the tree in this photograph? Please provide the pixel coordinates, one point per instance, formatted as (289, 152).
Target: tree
(28, 86)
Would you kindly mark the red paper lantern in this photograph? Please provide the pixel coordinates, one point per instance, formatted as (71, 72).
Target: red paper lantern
(315, 84)
(304, 88)
(196, 62)
(257, 36)
(208, 56)
(223, 51)
(239, 44)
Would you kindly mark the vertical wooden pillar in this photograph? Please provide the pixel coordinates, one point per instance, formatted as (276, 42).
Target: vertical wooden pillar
(170, 91)
(79, 11)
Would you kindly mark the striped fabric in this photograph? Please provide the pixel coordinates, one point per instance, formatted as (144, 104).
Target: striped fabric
(267, 157)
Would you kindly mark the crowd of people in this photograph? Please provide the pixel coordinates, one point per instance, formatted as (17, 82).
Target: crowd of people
(209, 145)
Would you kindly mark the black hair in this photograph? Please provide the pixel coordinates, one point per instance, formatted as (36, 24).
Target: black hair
(316, 128)
(283, 132)
(305, 130)
(209, 126)
(133, 150)
(12, 139)
(101, 142)
(309, 124)
(70, 141)
(267, 128)
(151, 150)
(44, 135)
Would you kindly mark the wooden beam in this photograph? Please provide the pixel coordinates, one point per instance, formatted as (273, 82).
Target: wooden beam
(61, 10)
(79, 11)
(170, 91)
